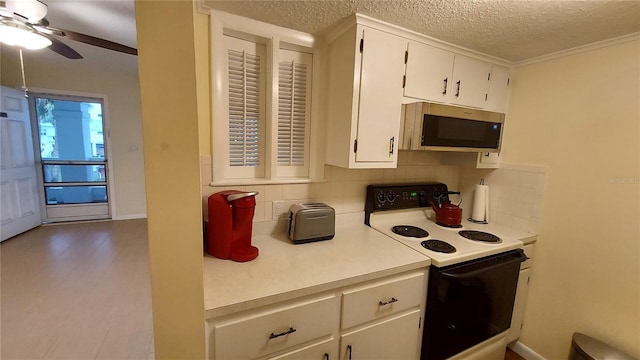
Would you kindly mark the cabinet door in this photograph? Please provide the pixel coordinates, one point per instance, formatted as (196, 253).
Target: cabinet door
(325, 350)
(498, 90)
(381, 72)
(519, 306)
(488, 160)
(428, 72)
(396, 338)
(470, 82)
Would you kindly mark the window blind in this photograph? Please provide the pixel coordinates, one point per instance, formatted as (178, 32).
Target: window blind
(292, 110)
(244, 108)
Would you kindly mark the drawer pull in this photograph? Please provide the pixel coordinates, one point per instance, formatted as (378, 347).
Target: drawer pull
(383, 303)
(290, 331)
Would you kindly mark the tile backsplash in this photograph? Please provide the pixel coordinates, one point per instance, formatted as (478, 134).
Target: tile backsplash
(515, 194)
(514, 198)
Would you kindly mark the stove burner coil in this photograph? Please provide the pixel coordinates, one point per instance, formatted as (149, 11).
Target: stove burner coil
(458, 226)
(479, 236)
(438, 246)
(410, 231)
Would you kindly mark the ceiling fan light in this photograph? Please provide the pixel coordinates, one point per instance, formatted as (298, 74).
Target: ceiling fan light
(15, 36)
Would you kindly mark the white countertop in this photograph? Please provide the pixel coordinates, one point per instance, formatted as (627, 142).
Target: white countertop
(284, 271)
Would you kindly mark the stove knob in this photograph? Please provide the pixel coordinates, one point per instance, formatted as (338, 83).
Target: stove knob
(381, 198)
(391, 197)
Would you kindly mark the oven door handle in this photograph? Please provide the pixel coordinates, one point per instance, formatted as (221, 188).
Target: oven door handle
(521, 257)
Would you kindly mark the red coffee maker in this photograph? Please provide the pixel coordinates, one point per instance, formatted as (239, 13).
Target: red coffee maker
(230, 223)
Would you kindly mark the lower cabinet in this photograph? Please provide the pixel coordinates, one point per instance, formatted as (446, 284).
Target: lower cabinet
(324, 350)
(376, 319)
(395, 338)
(521, 297)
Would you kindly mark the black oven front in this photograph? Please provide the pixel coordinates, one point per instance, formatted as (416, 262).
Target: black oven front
(469, 302)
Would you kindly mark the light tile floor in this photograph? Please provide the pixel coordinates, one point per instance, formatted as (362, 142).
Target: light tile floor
(77, 291)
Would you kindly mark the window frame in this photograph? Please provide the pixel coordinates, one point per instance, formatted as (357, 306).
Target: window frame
(274, 38)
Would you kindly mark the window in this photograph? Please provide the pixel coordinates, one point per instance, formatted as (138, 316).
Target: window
(262, 108)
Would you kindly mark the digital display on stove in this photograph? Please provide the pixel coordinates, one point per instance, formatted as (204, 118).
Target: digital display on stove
(414, 194)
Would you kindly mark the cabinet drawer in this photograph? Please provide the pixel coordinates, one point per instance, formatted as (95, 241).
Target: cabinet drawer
(265, 332)
(382, 298)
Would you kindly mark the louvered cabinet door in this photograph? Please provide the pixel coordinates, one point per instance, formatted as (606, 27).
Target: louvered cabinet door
(294, 113)
(246, 94)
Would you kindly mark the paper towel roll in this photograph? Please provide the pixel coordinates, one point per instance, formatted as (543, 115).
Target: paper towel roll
(480, 210)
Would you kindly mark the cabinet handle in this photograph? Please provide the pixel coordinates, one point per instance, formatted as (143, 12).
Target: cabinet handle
(350, 350)
(444, 91)
(383, 303)
(458, 91)
(290, 331)
(325, 357)
(392, 142)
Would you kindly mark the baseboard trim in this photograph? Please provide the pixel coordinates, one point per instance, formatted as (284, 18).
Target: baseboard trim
(130, 217)
(525, 351)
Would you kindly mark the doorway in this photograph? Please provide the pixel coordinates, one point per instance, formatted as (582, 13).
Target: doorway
(71, 148)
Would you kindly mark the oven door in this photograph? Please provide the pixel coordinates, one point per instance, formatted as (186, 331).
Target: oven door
(469, 302)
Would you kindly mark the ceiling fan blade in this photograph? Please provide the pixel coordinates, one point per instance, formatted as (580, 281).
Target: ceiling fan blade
(92, 40)
(62, 48)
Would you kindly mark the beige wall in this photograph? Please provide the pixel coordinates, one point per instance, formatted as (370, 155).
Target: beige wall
(172, 169)
(123, 95)
(579, 116)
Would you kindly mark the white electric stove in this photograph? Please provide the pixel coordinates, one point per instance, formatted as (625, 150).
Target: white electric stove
(463, 249)
(473, 275)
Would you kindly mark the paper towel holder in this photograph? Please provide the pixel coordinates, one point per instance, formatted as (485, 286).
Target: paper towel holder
(486, 209)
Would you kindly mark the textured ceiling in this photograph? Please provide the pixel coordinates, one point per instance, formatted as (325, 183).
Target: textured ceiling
(513, 30)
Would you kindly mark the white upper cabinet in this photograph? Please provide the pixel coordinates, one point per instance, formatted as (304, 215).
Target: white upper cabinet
(366, 69)
(429, 72)
(498, 90)
(438, 75)
(470, 85)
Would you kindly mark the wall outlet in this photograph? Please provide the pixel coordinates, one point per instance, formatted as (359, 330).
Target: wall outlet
(281, 208)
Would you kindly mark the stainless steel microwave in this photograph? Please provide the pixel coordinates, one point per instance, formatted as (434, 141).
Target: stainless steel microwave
(429, 126)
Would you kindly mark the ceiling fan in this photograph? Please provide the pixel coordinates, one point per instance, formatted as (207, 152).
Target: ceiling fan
(23, 24)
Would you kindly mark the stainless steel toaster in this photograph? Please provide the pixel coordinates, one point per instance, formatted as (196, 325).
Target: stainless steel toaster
(311, 222)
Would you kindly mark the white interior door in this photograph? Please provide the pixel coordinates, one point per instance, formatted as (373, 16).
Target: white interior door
(19, 193)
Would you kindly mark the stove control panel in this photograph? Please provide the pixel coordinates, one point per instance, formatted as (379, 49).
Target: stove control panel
(402, 196)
